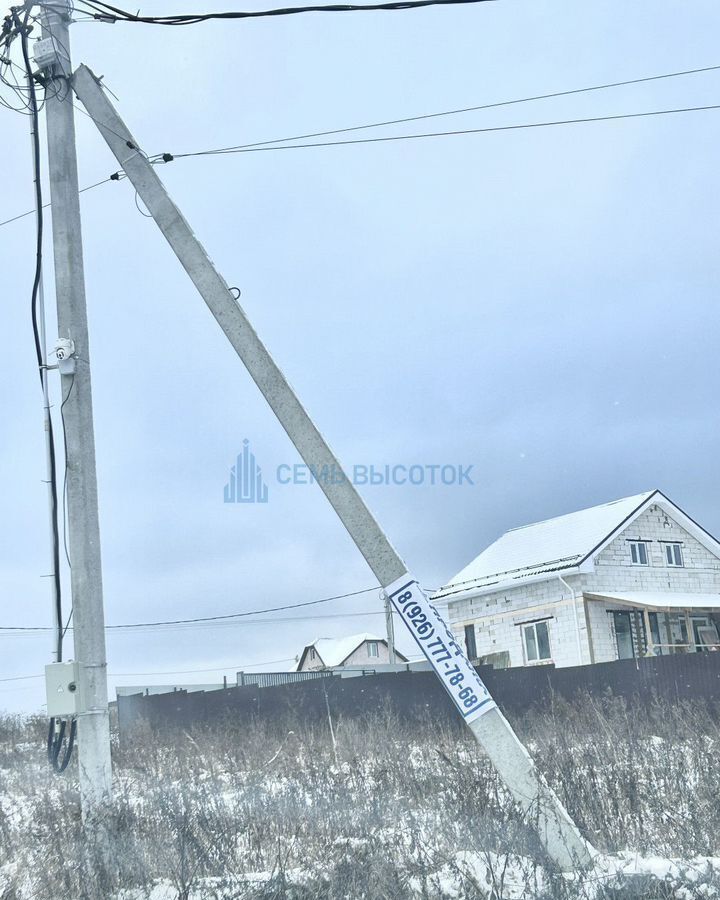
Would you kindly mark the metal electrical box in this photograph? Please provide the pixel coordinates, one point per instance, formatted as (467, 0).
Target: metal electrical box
(62, 685)
(46, 53)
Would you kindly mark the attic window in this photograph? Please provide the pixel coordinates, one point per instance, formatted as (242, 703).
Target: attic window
(372, 648)
(639, 553)
(673, 555)
(313, 654)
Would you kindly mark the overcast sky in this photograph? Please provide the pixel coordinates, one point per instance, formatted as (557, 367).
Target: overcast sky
(539, 304)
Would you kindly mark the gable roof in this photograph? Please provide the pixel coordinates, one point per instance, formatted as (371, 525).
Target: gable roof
(559, 544)
(334, 651)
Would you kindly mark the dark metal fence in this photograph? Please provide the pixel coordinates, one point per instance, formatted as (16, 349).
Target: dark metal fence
(273, 679)
(413, 696)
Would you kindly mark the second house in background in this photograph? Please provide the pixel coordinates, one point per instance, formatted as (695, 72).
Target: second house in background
(358, 650)
(630, 578)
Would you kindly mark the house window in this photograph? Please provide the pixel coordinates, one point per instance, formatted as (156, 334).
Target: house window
(372, 648)
(470, 644)
(536, 638)
(313, 654)
(639, 553)
(673, 555)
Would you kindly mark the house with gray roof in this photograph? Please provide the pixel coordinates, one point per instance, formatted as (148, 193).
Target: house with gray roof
(634, 577)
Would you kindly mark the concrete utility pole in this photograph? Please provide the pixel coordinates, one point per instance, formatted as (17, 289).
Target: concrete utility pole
(82, 504)
(558, 833)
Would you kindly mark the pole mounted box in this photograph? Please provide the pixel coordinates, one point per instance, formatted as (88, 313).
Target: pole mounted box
(62, 686)
(46, 53)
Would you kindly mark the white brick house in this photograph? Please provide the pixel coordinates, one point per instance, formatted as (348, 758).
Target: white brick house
(356, 650)
(634, 577)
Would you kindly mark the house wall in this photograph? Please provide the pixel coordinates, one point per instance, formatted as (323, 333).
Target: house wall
(614, 568)
(359, 657)
(310, 665)
(497, 616)
(602, 629)
(614, 571)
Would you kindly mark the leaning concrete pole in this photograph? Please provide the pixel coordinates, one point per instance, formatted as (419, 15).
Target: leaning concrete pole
(77, 414)
(558, 833)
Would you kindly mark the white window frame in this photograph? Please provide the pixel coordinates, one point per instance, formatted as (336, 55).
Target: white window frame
(676, 548)
(373, 645)
(525, 627)
(634, 546)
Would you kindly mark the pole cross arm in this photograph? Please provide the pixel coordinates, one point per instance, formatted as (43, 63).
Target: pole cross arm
(559, 835)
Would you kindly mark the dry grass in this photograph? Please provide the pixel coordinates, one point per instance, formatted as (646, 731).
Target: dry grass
(385, 815)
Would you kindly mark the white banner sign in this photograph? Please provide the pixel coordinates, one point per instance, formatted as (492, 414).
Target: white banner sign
(438, 644)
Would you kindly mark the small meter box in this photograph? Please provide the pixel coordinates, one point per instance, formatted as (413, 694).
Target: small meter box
(62, 684)
(45, 53)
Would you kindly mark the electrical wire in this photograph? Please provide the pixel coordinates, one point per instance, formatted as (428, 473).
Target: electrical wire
(465, 131)
(467, 109)
(22, 28)
(65, 475)
(254, 148)
(89, 187)
(269, 662)
(219, 151)
(37, 631)
(20, 678)
(202, 619)
(106, 13)
(59, 749)
(243, 615)
(58, 757)
(12, 28)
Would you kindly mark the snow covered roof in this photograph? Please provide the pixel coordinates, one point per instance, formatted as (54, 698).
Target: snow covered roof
(545, 547)
(334, 651)
(652, 600)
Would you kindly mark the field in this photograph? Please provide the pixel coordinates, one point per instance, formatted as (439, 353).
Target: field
(244, 813)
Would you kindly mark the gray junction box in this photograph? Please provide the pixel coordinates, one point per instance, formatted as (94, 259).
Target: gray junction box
(62, 685)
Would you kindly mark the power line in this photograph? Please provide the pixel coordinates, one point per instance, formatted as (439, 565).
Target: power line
(47, 205)
(219, 151)
(465, 131)
(272, 621)
(201, 619)
(243, 615)
(20, 678)
(35, 631)
(106, 13)
(467, 109)
(255, 148)
(23, 29)
(270, 662)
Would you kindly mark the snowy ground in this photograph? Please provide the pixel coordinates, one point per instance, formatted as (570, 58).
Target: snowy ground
(252, 814)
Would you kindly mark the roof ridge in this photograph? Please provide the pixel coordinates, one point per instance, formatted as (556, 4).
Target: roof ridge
(576, 512)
